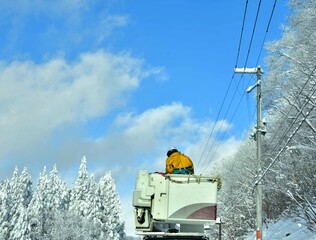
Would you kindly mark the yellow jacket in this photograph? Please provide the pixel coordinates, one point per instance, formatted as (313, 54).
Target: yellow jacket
(178, 160)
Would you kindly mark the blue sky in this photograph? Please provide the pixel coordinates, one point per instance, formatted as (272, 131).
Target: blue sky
(121, 81)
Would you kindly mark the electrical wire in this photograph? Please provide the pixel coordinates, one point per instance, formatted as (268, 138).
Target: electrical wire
(220, 127)
(219, 142)
(217, 117)
(249, 49)
(241, 33)
(267, 30)
(269, 168)
(286, 114)
(253, 33)
(307, 100)
(231, 80)
(237, 87)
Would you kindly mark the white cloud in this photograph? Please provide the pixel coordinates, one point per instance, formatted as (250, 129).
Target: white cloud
(139, 141)
(37, 99)
(40, 101)
(108, 24)
(154, 131)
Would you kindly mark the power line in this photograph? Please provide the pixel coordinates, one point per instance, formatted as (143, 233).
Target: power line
(278, 130)
(230, 103)
(231, 80)
(286, 114)
(217, 117)
(237, 87)
(241, 33)
(267, 29)
(295, 131)
(288, 140)
(244, 196)
(253, 33)
(219, 142)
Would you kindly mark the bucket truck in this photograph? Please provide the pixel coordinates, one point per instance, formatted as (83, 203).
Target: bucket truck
(174, 206)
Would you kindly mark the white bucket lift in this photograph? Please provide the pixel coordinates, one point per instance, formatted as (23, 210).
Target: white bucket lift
(174, 203)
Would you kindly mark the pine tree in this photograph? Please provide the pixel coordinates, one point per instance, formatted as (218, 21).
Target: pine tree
(21, 230)
(14, 194)
(5, 199)
(25, 182)
(38, 209)
(93, 212)
(79, 192)
(22, 194)
(69, 226)
(57, 200)
(112, 226)
(93, 207)
(57, 192)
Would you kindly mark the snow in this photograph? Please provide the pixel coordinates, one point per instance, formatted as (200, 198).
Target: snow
(88, 210)
(287, 229)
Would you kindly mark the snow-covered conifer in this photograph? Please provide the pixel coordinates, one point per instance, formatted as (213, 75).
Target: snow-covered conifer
(38, 210)
(21, 230)
(57, 192)
(5, 199)
(21, 197)
(93, 223)
(92, 211)
(69, 225)
(110, 208)
(25, 187)
(79, 192)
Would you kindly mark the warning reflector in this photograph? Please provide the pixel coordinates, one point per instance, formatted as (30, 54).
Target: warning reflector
(258, 235)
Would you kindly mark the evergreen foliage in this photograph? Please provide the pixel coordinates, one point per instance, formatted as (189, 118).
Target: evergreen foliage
(89, 210)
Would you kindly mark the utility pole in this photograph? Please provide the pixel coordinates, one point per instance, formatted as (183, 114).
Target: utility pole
(219, 222)
(259, 131)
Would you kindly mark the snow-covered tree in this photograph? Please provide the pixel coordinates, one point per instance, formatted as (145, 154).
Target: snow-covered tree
(92, 211)
(57, 192)
(21, 197)
(110, 210)
(236, 199)
(289, 96)
(38, 208)
(25, 185)
(5, 199)
(79, 192)
(68, 226)
(21, 228)
(15, 198)
(289, 147)
(57, 200)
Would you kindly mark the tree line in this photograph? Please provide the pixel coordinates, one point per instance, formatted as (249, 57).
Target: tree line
(88, 210)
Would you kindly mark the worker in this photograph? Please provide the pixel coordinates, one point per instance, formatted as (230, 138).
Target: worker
(178, 163)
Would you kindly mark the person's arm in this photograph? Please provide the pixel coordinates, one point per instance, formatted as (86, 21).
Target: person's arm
(192, 165)
(169, 166)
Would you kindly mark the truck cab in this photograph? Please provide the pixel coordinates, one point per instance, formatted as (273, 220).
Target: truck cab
(174, 206)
